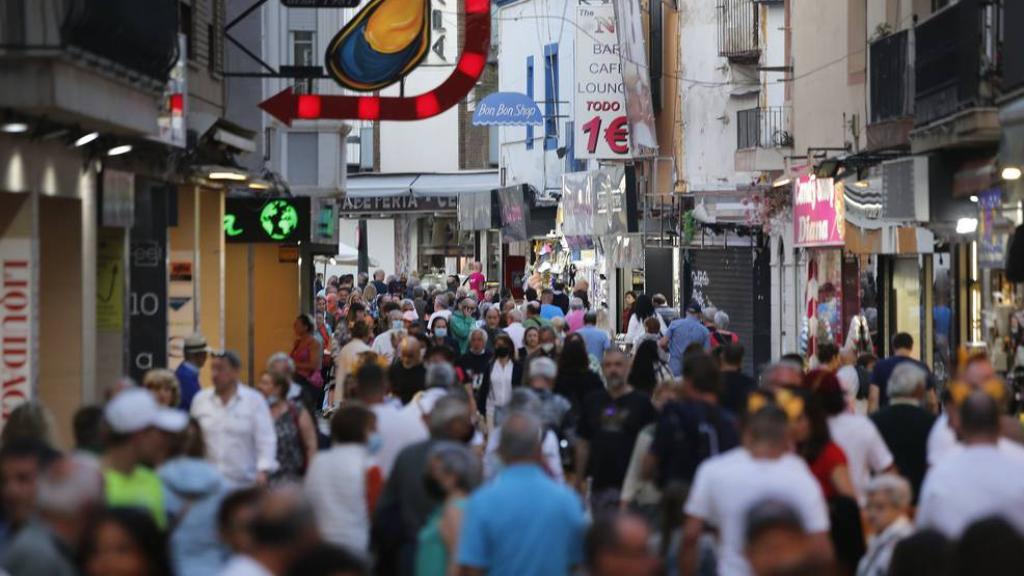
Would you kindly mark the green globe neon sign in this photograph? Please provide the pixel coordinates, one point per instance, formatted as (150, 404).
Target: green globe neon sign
(279, 219)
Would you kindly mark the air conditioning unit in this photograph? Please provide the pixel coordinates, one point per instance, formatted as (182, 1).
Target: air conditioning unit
(905, 189)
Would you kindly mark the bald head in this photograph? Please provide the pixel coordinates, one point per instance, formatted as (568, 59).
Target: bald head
(979, 419)
(410, 352)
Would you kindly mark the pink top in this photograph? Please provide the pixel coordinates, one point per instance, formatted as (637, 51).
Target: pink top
(476, 284)
(574, 319)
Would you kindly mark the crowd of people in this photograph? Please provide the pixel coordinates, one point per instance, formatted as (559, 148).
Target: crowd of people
(455, 430)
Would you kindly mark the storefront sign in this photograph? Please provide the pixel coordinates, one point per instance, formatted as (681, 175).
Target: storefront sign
(636, 78)
(513, 213)
(147, 298)
(110, 280)
(991, 244)
(16, 313)
(181, 304)
(390, 204)
(819, 214)
(507, 109)
(600, 128)
(255, 220)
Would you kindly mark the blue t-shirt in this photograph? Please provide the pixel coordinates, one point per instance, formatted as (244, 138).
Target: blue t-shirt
(596, 340)
(549, 311)
(943, 319)
(523, 522)
(681, 334)
(188, 381)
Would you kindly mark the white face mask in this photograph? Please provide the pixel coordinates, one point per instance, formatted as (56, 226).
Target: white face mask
(547, 346)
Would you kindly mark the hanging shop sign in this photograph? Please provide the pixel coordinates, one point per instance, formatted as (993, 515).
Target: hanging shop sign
(600, 129)
(110, 280)
(507, 109)
(392, 204)
(254, 220)
(381, 44)
(991, 244)
(16, 321)
(819, 212)
(514, 213)
(636, 78)
(147, 296)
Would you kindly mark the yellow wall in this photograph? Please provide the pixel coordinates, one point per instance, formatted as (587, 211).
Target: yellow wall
(60, 318)
(275, 289)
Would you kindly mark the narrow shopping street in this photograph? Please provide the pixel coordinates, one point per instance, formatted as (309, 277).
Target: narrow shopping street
(511, 287)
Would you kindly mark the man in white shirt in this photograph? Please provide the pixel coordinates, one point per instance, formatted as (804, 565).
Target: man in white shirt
(397, 427)
(384, 343)
(236, 423)
(346, 360)
(515, 329)
(977, 481)
(727, 485)
(865, 449)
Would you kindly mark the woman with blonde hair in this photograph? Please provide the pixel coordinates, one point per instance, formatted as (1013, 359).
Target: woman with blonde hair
(164, 385)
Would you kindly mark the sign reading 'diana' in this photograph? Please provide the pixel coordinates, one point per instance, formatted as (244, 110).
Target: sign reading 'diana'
(507, 109)
(601, 129)
(819, 212)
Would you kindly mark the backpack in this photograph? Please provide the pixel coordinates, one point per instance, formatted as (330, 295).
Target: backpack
(722, 337)
(688, 434)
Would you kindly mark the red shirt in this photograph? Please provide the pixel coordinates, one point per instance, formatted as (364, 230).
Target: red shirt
(829, 459)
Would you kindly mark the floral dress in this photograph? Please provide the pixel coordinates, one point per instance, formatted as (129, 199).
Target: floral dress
(291, 457)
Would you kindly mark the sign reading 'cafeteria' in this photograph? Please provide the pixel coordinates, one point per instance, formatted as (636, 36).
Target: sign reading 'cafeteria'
(406, 203)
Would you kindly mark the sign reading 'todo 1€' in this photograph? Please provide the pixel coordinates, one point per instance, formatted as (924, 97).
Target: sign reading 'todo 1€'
(601, 129)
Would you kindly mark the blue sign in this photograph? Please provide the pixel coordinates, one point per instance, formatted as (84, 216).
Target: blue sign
(507, 109)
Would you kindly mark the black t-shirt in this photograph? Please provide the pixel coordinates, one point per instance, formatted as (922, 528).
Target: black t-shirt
(883, 370)
(576, 386)
(611, 425)
(406, 382)
(736, 386)
(905, 429)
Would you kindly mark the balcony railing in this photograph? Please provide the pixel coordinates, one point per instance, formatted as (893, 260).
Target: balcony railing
(738, 30)
(138, 36)
(763, 128)
(892, 77)
(957, 58)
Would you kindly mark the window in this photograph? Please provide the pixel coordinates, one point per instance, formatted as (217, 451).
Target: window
(551, 96)
(185, 22)
(211, 48)
(303, 54)
(303, 165)
(529, 94)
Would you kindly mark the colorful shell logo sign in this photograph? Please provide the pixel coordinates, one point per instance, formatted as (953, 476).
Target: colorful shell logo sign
(384, 42)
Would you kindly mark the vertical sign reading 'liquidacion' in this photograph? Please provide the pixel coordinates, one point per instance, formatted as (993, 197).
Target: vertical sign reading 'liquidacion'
(601, 128)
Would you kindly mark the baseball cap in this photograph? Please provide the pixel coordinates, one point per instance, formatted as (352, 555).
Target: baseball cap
(135, 409)
(693, 307)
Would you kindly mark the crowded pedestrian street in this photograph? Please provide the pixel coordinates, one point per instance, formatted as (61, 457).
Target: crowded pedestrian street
(511, 288)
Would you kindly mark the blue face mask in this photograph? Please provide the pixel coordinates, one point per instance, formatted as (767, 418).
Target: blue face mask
(440, 332)
(374, 443)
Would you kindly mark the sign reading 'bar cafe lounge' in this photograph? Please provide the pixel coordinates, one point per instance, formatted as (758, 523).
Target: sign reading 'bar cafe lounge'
(405, 203)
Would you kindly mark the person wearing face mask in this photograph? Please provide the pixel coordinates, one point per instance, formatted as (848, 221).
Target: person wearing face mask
(439, 335)
(385, 343)
(503, 373)
(343, 483)
(296, 434)
(549, 342)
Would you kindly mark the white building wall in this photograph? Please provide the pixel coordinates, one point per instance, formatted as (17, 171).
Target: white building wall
(712, 90)
(774, 18)
(525, 28)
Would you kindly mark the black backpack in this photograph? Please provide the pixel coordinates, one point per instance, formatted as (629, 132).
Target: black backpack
(697, 431)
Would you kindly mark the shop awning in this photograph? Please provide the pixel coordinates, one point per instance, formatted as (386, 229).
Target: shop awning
(379, 185)
(455, 184)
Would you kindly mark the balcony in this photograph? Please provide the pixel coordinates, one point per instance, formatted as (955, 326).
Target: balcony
(891, 64)
(96, 62)
(738, 31)
(956, 73)
(763, 138)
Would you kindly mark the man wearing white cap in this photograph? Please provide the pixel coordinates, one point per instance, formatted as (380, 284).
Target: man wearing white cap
(195, 351)
(236, 423)
(137, 423)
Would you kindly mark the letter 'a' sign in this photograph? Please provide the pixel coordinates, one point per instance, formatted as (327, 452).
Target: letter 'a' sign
(382, 44)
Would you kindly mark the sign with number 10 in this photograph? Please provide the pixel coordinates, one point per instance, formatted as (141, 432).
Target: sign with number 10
(601, 127)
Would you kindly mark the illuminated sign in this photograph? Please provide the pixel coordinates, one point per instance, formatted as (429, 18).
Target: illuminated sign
(253, 220)
(382, 44)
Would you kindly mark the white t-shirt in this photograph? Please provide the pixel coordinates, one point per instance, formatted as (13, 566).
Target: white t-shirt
(942, 442)
(515, 331)
(398, 428)
(972, 483)
(865, 449)
(382, 345)
(849, 380)
(726, 487)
